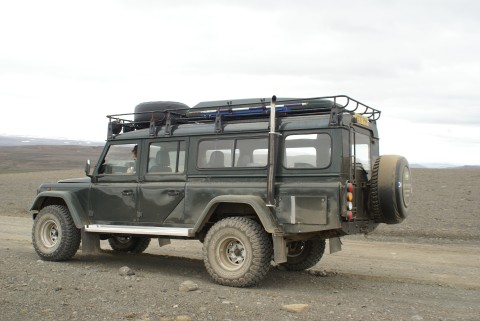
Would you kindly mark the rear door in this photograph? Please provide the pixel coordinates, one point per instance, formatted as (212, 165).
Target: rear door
(162, 189)
(308, 187)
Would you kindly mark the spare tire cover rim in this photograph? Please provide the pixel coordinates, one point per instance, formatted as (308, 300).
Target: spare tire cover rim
(406, 186)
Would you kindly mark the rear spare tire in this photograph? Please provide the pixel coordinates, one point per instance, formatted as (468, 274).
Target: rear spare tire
(390, 189)
(144, 111)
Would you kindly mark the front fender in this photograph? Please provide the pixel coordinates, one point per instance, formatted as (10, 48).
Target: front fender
(79, 216)
(258, 204)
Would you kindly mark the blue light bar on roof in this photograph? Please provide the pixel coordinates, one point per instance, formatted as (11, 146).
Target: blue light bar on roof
(242, 111)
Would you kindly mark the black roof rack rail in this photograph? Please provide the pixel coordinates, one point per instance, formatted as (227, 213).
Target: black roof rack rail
(285, 107)
(216, 111)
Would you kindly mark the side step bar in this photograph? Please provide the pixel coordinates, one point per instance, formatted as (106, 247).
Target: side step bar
(141, 230)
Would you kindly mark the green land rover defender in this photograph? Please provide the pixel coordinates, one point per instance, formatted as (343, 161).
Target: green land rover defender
(254, 180)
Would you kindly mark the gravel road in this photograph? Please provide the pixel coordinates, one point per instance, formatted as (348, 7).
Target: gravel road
(427, 268)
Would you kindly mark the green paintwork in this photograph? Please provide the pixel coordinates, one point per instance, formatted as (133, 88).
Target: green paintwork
(71, 199)
(196, 197)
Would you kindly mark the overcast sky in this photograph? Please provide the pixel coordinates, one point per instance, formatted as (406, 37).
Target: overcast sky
(64, 65)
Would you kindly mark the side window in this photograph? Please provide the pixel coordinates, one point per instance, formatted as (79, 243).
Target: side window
(251, 152)
(121, 159)
(227, 153)
(166, 157)
(361, 151)
(215, 153)
(307, 151)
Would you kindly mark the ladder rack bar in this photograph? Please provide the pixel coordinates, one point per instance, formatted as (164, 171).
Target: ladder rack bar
(215, 111)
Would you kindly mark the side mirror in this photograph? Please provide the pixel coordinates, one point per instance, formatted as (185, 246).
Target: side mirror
(87, 168)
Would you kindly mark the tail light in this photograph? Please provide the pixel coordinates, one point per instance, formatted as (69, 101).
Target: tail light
(349, 196)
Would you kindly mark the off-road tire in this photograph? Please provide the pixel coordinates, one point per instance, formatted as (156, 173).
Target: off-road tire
(132, 244)
(54, 234)
(303, 255)
(390, 189)
(237, 252)
(143, 116)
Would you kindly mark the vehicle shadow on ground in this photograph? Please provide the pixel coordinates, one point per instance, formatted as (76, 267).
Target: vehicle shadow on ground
(148, 265)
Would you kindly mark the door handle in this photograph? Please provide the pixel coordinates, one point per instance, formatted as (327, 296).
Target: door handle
(127, 193)
(173, 193)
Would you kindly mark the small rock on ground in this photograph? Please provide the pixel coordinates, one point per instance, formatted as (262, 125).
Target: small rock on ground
(318, 273)
(188, 286)
(295, 308)
(126, 271)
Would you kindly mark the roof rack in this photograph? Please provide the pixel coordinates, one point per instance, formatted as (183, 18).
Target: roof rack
(218, 111)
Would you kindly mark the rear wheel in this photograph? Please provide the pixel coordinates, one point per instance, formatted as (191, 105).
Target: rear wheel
(237, 252)
(390, 189)
(130, 244)
(54, 234)
(303, 255)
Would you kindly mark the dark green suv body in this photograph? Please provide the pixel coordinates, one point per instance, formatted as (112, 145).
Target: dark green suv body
(254, 180)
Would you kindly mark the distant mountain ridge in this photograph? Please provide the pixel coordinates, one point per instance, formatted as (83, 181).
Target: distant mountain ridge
(33, 141)
(443, 165)
(15, 141)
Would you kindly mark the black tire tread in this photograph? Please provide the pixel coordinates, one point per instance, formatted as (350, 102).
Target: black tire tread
(70, 239)
(315, 248)
(158, 108)
(262, 251)
(375, 208)
(135, 245)
(385, 204)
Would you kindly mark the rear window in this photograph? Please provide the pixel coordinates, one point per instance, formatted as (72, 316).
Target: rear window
(307, 151)
(361, 154)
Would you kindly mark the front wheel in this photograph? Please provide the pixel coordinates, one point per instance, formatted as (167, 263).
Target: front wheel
(132, 244)
(237, 252)
(54, 234)
(303, 255)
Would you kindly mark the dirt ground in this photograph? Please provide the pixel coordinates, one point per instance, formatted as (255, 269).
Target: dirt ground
(427, 268)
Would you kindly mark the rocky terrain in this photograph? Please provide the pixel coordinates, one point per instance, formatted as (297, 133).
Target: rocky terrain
(21, 159)
(427, 268)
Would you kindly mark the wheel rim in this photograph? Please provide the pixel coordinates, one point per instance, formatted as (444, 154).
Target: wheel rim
(49, 233)
(123, 239)
(232, 253)
(295, 248)
(406, 186)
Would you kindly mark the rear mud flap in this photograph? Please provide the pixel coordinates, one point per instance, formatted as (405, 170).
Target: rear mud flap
(279, 249)
(335, 244)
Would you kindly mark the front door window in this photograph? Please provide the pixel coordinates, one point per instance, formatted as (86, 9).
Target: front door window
(113, 195)
(120, 159)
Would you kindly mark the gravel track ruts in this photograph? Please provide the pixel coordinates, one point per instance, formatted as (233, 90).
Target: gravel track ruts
(427, 268)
